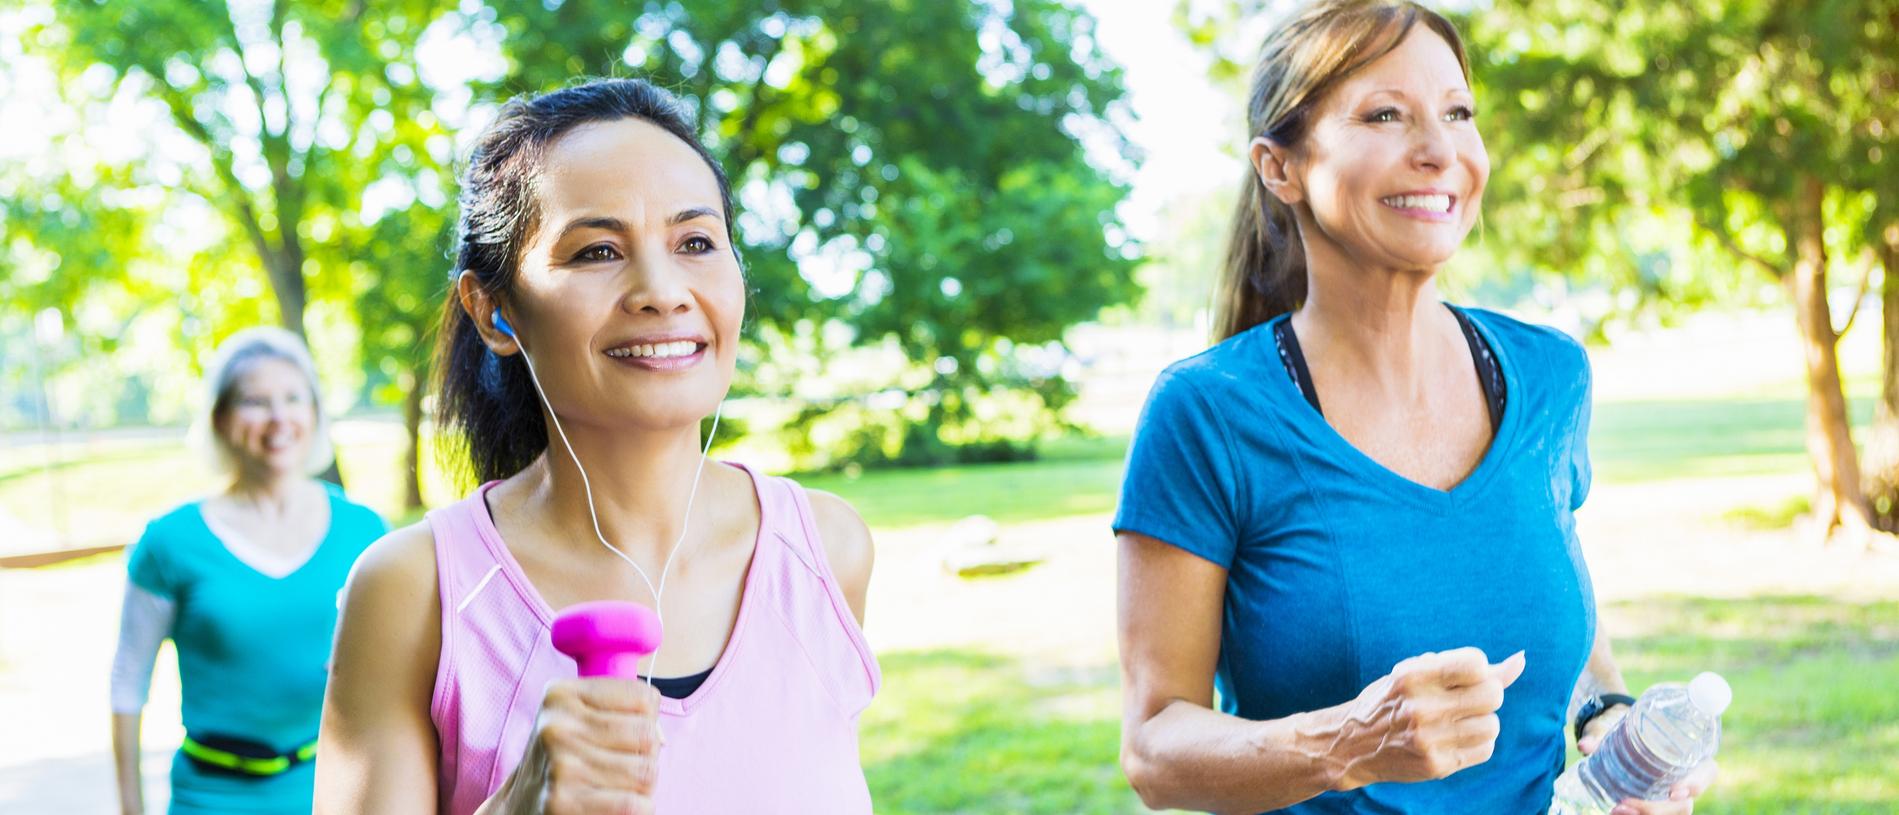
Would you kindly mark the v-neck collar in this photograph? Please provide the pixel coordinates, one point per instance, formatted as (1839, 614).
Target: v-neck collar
(511, 571)
(1294, 408)
(224, 546)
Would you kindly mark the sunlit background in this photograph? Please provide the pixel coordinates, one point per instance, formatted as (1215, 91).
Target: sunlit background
(975, 231)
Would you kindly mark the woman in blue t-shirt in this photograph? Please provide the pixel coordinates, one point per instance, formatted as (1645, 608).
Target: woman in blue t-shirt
(1352, 518)
(244, 583)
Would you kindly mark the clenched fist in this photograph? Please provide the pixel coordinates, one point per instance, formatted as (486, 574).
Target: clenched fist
(1433, 715)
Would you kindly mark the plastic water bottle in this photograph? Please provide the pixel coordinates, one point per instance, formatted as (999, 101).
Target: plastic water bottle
(1671, 731)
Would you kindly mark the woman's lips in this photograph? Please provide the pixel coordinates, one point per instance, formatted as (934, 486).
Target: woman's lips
(1434, 207)
(668, 362)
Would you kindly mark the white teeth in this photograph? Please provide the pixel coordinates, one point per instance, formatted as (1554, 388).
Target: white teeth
(661, 350)
(1432, 203)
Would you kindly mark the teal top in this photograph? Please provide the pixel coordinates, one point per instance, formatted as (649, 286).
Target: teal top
(253, 650)
(1338, 568)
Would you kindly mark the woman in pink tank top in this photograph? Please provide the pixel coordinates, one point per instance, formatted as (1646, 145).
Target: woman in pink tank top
(594, 324)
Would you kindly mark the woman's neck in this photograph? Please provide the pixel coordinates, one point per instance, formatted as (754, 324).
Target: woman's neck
(640, 483)
(269, 493)
(1384, 324)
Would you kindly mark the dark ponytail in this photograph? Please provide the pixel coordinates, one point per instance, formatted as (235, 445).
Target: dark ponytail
(486, 407)
(1265, 269)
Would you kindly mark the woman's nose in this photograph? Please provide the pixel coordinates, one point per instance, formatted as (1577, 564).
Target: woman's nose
(656, 284)
(1433, 147)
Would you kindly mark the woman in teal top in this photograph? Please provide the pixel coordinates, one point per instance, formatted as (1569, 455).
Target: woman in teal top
(1350, 576)
(244, 583)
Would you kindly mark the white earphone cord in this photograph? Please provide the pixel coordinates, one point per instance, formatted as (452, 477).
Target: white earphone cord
(652, 665)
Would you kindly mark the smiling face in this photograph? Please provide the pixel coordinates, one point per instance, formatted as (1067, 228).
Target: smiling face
(1391, 169)
(629, 297)
(269, 419)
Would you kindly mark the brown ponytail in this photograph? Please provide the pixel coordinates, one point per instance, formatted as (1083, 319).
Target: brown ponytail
(1302, 59)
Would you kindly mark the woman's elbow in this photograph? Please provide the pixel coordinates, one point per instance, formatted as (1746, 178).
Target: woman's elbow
(1148, 775)
(1141, 775)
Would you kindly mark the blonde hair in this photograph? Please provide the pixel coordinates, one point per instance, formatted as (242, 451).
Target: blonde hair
(1264, 273)
(229, 363)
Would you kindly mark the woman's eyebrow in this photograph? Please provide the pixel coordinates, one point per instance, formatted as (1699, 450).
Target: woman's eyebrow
(594, 222)
(1455, 90)
(612, 224)
(685, 215)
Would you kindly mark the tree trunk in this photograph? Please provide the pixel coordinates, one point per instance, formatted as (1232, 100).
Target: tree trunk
(1882, 447)
(1838, 504)
(285, 270)
(412, 461)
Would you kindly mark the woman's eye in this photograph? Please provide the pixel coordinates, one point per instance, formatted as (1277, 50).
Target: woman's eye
(1383, 115)
(597, 252)
(1460, 114)
(697, 245)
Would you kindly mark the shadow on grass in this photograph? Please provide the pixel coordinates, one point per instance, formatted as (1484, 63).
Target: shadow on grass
(1815, 722)
(958, 731)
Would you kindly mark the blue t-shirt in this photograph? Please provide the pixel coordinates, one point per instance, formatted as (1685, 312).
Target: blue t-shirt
(1338, 568)
(253, 650)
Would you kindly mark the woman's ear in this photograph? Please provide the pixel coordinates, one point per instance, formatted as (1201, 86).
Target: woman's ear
(1277, 168)
(482, 308)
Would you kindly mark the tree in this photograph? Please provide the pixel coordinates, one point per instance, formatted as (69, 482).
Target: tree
(297, 109)
(283, 98)
(1683, 149)
(321, 144)
(923, 160)
(1760, 123)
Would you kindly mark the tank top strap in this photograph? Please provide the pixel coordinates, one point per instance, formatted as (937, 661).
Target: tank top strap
(463, 564)
(818, 614)
(785, 513)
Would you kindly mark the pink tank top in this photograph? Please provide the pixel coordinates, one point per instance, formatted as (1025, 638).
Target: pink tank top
(772, 729)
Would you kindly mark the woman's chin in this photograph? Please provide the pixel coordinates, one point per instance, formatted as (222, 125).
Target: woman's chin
(278, 464)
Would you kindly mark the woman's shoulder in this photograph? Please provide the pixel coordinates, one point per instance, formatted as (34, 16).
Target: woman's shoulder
(183, 522)
(396, 573)
(1229, 369)
(354, 513)
(844, 538)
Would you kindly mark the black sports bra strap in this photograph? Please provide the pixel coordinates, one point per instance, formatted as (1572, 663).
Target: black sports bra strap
(1489, 373)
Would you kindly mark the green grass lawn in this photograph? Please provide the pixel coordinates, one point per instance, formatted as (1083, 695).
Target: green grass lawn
(1814, 727)
(112, 487)
(1072, 477)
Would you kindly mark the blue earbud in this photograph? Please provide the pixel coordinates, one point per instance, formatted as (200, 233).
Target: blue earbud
(501, 324)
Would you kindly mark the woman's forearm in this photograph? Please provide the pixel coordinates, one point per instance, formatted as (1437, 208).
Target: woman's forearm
(126, 755)
(1191, 757)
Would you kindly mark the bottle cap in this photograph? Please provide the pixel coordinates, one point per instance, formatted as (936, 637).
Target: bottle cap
(1710, 694)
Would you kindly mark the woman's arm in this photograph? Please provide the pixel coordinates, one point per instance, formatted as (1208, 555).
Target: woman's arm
(144, 621)
(594, 747)
(378, 751)
(125, 756)
(1601, 675)
(1432, 716)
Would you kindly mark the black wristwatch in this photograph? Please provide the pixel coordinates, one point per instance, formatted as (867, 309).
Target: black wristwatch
(1595, 705)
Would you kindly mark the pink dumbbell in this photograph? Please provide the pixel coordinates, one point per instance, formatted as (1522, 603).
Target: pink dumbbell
(607, 637)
